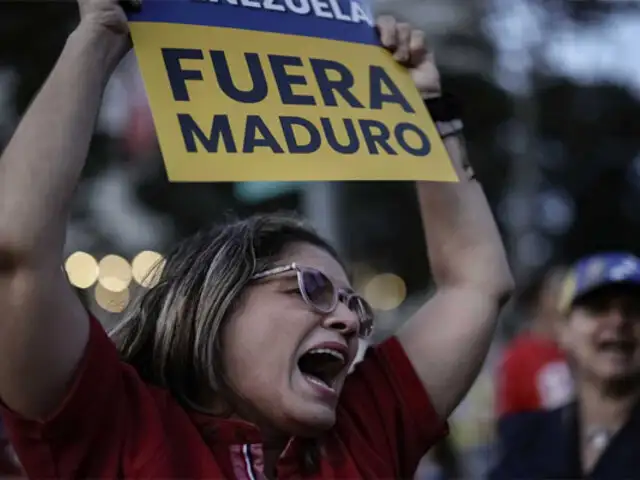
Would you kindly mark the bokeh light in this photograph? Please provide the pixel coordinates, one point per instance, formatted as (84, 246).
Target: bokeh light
(115, 273)
(113, 302)
(386, 291)
(82, 270)
(147, 267)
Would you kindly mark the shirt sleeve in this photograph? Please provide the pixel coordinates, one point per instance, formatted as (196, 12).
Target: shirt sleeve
(84, 437)
(385, 402)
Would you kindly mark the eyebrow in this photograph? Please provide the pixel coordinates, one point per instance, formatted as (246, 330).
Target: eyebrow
(288, 278)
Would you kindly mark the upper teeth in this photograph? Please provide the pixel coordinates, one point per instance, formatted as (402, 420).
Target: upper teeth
(328, 351)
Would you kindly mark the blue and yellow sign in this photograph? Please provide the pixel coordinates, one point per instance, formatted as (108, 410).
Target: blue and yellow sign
(244, 90)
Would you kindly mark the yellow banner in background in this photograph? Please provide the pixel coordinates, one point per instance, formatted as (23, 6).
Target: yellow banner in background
(231, 104)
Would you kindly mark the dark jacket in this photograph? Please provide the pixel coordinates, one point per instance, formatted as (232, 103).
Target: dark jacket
(545, 444)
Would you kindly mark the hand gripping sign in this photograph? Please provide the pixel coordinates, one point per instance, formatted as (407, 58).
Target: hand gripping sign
(245, 90)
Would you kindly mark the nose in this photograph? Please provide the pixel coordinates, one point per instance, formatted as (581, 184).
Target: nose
(342, 320)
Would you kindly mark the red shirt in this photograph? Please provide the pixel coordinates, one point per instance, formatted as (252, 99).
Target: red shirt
(9, 468)
(113, 425)
(533, 375)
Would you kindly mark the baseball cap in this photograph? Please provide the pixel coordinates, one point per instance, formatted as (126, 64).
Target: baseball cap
(596, 271)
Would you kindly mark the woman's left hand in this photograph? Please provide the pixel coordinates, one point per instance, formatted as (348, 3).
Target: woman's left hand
(409, 48)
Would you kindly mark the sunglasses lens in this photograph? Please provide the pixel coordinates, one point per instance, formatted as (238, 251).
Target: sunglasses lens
(319, 290)
(360, 306)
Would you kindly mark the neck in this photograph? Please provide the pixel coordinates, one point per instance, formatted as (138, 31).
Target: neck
(274, 441)
(605, 408)
(272, 448)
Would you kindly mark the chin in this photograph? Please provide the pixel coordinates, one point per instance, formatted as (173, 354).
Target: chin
(310, 421)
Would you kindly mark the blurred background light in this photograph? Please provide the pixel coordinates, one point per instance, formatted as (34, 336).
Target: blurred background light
(82, 270)
(147, 267)
(386, 291)
(111, 301)
(114, 273)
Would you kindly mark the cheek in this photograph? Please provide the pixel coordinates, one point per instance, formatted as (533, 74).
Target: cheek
(260, 344)
(244, 350)
(587, 340)
(245, 359)
(579, 338)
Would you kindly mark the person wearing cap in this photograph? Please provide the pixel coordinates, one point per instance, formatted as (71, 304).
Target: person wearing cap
(597, 434)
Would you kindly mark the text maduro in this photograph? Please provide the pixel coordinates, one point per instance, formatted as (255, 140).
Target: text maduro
(353, 131)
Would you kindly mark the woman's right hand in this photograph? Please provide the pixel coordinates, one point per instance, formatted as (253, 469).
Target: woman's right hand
(107, 19)
(37, 181)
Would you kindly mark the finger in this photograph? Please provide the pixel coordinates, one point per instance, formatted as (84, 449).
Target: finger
(386, 26)
(402, 53)
(418, 49)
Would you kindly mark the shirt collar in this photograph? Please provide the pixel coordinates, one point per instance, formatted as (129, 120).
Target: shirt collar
(233, 431)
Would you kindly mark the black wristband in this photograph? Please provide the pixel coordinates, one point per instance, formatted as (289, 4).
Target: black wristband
(444, 108)
(131, 6)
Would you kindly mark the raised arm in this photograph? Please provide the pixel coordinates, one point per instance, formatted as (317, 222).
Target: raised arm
(43, 326)
(448, 338)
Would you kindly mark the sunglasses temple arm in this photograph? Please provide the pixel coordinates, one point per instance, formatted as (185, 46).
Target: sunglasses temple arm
(273, 271)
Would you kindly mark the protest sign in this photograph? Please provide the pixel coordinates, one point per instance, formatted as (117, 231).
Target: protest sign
(245, 90)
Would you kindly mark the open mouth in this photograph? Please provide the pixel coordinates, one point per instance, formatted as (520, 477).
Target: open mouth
(322, 366)
(624, 347)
